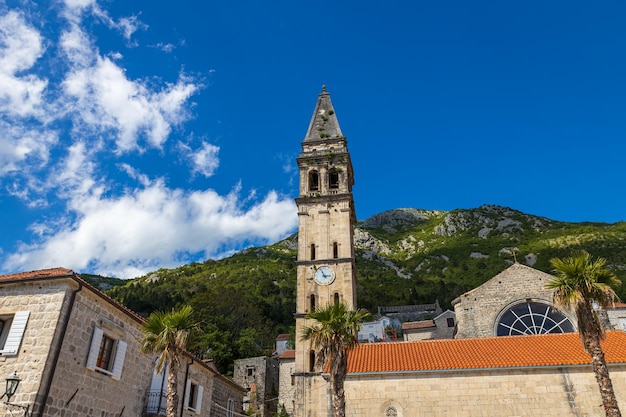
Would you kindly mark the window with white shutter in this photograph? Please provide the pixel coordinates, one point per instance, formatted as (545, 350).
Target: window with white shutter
(11, 332)
(193, 396)
(106, 353)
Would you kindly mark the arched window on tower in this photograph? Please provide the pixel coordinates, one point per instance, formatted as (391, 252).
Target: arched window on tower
(314, 181)
(335, 250)
(336, 298)
(312, 361)
(312, 251)
(333, 179)
(312, 303)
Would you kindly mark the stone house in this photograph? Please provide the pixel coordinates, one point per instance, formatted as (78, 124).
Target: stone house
(441, 327)
(77, 352)
(259, 377)
(286, 390)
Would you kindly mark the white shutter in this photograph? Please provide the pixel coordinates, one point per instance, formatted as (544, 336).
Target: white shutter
(187, 390)
(94, 349)
(16, 332)
(199, 399)
(118, 365)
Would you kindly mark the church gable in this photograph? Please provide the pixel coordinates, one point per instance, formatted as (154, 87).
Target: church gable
(478, 311)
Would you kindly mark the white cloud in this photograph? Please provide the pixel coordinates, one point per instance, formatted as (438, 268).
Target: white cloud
(165, 47)
(21, 146)
(129, 25)
(86, 107)
(154, 227)
(133, 173)
(20, 47)
(205, 160)
(105, 100)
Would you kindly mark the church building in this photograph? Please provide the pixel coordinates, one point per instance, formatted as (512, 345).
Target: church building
(514, 353)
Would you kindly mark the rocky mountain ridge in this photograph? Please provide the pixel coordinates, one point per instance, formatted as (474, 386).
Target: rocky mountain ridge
(404, 256)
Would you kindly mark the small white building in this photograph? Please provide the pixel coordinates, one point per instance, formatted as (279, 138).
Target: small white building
(384, 329)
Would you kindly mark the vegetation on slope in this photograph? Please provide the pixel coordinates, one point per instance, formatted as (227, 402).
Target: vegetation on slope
(404, 256)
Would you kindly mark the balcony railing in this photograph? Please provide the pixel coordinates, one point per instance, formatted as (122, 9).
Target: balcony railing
(156, 401)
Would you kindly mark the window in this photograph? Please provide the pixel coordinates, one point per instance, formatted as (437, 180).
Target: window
(314, 181)
(335, 250)
(391, 412)
(230, 408)
(312, 251)
(12, 327)
(312, 303)
(293, 379)
(336, 298)
(531, 317)
(250, 371)
(312, 361)
(450, 321)
(193, 396)
(333, 179)
(106, 354)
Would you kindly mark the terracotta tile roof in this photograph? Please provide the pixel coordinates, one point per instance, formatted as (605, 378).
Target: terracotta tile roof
(288, 354)
(283, 336)
(415, 325)
(42, 273)
(53, 273)
(484, 353)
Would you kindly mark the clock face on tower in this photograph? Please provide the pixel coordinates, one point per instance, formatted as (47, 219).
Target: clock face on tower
(324, 275)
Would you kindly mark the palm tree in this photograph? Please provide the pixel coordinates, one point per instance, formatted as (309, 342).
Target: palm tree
(166, 334)
(580, 282)
(334, 334)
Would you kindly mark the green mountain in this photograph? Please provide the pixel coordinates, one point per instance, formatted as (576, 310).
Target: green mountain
(403, 256)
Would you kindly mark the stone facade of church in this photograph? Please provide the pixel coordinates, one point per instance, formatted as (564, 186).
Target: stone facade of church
(479, 373)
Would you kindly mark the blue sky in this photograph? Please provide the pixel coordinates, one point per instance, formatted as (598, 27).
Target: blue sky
(138, 135)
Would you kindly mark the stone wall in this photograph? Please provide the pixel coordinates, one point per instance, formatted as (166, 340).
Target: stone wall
(259, 376)
(44, 301)
(223, 392)
(77, 391)
(561, 392)
(477, 310)
(286, 385)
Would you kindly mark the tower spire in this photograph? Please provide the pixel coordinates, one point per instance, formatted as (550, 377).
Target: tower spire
(324, 124)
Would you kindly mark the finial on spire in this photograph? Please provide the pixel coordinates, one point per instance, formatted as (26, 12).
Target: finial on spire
(324, 88)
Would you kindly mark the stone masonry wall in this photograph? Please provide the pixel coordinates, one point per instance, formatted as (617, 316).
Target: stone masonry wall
(260, 377)
(477, 310)
(286, 385)
(77, 391)
(473, 393)
(44, 301)
(222, 392)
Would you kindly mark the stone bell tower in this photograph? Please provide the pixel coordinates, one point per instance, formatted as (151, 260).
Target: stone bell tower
(325, 265)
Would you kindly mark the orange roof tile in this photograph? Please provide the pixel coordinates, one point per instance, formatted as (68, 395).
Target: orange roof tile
(53, 273)
(283, 336)
(288, 354)
(42, 273)
(415, 325)
(484, 353)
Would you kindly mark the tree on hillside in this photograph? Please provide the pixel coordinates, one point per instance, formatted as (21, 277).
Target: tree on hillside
(334, 334)
(166, 334)
(580, 282)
